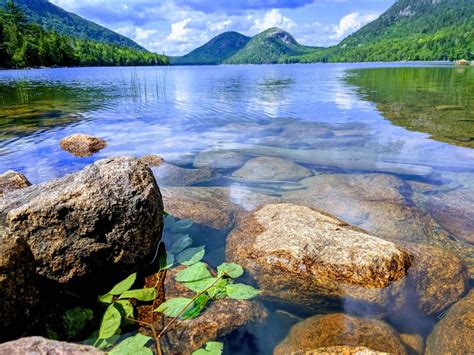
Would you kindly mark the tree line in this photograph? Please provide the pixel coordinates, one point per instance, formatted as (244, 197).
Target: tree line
(24, 44)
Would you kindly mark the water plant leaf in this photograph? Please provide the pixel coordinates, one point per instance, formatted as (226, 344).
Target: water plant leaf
(173, 306)
(200, 285)
(143, 294)
(196, 307)
(241, 291)
(211, 348)
(169, 221)
(230, 269)
(133, 345)
(165, 260)
(194, 272)
(110, 322)
(181, 244)
(75, 320)
(182, 225)
(123, 285)
(191, 256)
(125, 307)
(219, 290)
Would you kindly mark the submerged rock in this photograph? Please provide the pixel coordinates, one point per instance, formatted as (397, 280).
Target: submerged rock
(340, 330)
(42, 346)
(219, 160)
(340, 350)
(152, 160)
(220, 318)
(455, 332)
(298, 253)
(82, 145)
(272, 169)
(12, 180)
(215, 207)
(374, 202)
(172, 175)
(18, 292)
(103, 218)
(414, 343)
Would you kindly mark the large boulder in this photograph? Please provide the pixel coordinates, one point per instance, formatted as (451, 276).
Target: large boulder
(18, 290)
(12, 180)
(106, 217)
(455, 332)
(82, 145)
(374, 202)
(272, 169)
(42, 346)
(298, 253)
(215, 207)
(339, 329)
(220, 318)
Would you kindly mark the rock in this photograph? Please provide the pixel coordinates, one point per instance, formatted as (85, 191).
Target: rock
(438, 277)
(172, 175)
(42, 346)
(82, 145)
(340, 329)
(215, 207)
(374, 202)
(414, 343)
(18, 290)
(107, 217)
(340, 350)
(454, 333)
(219, 160)
(454, 211)
(12, 180)
(272, 169)
(300, 254)
(220, 318)
(152, 160)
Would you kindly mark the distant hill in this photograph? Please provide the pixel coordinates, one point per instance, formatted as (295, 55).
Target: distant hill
(54, 18)
(409, 30)
(216, 51)
(270, 46)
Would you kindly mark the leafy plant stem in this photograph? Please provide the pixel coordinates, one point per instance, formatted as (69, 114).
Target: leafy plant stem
(152, 328)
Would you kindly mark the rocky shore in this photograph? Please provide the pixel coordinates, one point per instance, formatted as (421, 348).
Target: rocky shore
(354, 272)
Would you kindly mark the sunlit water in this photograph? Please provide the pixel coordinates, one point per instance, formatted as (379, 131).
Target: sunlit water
(391, 116)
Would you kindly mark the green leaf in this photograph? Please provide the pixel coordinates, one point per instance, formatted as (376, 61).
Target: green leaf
(165, 260)
(93, 340)
(169, 221)
(107, 298)
(173, 306)
(110, 322)
(143, 294)
(219, 290)
(230, 269)
(133, 345)
(181, 244)
(118, 289)
(125, 308)
(241, 291)
(196, 308)
(200, 285)
(194, 272)
(191, 256)
(75, 320)
(211, 348)
(182, 225)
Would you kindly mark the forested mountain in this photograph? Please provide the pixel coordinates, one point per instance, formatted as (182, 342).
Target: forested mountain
(55, 19)
(216, 51)
(25, 44)
(409, 30)
(270, 46)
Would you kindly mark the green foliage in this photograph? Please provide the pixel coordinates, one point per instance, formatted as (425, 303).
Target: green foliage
(75, 321)
(135, 345)
(241, 291)
(24, 44)
(211, 348)
(110, 322)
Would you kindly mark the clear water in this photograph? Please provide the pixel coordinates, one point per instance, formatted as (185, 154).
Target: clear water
(420, 115)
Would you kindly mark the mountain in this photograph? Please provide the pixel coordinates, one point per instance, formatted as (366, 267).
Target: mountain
(216, 51)
(409, 30)
(54, 18)
(271, 46)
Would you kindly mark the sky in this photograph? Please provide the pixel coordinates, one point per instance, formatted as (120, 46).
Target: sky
(175, 27)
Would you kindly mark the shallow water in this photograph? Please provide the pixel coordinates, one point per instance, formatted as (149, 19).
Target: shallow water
(345, 123)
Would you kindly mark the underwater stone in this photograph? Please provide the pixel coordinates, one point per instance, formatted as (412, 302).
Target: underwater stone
(82, 145)
(172, 175)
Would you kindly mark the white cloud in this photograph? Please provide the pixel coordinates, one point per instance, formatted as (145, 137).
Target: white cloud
(351, 23)
(273, 18)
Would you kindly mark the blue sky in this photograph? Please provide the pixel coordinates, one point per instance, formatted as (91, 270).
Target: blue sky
(177, 26)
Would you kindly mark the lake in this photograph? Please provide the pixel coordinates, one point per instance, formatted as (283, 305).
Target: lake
(386, 147)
